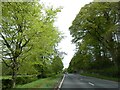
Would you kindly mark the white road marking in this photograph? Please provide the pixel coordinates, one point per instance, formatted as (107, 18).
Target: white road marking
(91, 84)
(61, 82)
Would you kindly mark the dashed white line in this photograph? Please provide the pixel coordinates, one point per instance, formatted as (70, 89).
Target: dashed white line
(91, 83)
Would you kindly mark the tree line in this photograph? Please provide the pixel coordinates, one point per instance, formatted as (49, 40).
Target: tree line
(96, 33)
(29, 40)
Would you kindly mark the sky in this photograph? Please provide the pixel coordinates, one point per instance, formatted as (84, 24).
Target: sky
(64, 20)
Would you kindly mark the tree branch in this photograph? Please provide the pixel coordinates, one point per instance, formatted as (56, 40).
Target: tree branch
(5, 63)
(27, 41)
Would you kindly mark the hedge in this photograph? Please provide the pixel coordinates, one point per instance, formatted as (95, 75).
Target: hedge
(7, 83)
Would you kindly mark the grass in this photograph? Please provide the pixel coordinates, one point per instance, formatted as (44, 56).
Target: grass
(100, 76)
(50, 82)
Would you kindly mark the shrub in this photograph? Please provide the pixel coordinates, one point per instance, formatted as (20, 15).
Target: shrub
(21, 80)
(6, 84)
(41, 76)
(110, 72)
(25, 79)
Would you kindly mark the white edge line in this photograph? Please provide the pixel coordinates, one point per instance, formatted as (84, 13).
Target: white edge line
(91, 83)
(61, 82)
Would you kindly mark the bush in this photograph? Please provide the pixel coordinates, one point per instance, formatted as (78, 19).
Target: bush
(25, 79)
(6, 84)
(41, 76)
(109, 72)
(21, 80)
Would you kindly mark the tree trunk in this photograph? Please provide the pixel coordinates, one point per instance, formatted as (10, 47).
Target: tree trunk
(13, 79)
(14, 73)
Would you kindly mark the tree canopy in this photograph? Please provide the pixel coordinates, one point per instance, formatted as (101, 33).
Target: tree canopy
(95, 30)
(29, 37)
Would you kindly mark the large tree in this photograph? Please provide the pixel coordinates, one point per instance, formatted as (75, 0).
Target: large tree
(95, 30)
(27, 29)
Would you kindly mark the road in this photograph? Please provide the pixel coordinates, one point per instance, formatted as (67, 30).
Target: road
(75, 81)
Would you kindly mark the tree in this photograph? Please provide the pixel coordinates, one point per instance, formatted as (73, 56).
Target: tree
(26, 27)
(57, 65)
(44, 46)
(17, 20)
(97, 24)
(95, 32)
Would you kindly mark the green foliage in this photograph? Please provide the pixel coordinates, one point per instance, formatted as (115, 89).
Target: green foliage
(6, 84)
(30, 70)
(29, 37)
(100, 76)
(57, 65)
(95, 32)
(6, 70)
(25, 79)
(65, 70)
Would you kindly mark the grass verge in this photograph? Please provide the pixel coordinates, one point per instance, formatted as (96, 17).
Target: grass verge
(50, 82)
(100, 76)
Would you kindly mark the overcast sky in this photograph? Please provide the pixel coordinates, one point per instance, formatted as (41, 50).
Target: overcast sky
(64, 20)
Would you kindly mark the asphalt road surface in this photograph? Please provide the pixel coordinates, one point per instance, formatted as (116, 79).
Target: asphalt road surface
(79, 82)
